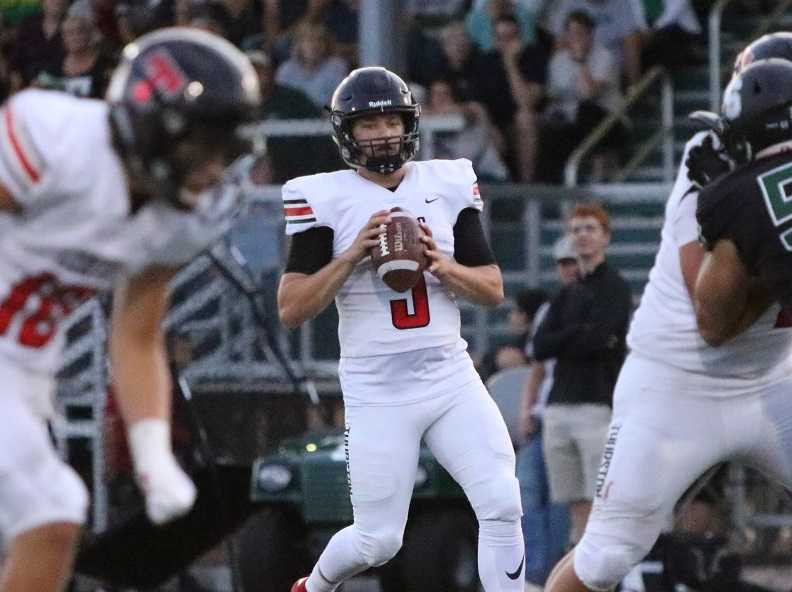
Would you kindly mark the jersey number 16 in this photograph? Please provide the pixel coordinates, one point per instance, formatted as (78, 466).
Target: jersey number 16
(41, 302)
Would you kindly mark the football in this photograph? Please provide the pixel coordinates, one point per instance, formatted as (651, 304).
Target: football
(399, 259)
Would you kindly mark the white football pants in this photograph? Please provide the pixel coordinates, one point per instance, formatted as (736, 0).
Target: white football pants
(467, 435)
(668, 428)
(36, 487)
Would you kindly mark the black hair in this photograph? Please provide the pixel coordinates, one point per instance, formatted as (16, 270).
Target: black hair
(508, 17)
(580, 17)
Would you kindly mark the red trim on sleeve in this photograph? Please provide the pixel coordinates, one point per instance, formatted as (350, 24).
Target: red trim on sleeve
(476, 189)
(298, 211)
(29, 168)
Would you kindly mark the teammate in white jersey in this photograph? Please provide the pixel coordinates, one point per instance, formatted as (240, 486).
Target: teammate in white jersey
(405, 371)
(680, 405)
(96, 195)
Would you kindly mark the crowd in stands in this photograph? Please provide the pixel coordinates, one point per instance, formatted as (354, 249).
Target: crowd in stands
(530, 77)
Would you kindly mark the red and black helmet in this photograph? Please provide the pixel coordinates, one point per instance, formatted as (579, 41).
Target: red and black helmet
(370, 91)
(178, 86)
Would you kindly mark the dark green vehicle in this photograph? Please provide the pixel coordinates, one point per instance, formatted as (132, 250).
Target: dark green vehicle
(304, 490)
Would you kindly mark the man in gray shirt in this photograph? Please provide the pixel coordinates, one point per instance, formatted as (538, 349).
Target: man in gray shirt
(618, 28)
(582, 88)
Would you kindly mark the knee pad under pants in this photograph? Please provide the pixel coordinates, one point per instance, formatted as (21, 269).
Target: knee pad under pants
(497, 498)
(380, 547)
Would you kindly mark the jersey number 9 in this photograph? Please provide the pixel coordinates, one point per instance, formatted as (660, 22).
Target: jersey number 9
(400, 313)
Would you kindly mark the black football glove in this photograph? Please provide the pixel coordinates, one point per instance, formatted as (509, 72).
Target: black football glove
(706, 162)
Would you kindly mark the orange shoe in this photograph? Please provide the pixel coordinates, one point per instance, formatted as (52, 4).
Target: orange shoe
(299, 585)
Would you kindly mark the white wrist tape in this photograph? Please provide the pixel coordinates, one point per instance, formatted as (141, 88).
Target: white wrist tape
(149, 443)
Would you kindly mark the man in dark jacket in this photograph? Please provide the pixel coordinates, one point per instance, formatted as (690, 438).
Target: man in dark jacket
(584, 330)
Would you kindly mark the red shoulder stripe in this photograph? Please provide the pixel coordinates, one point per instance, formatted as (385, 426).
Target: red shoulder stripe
(298, 211)
(20, 153)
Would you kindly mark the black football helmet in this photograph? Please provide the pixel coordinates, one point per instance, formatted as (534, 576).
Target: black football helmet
(757, 108)
(772, 45)
(369, 91)
(178, 96)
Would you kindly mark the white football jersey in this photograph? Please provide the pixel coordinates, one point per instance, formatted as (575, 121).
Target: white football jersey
(373, 319)
(664, 326)
(76, 234)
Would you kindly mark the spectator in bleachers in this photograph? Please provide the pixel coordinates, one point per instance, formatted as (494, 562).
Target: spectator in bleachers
(125, 17)
(279, 101)
(458, 60)
(476, 141)
(584, 330)
(509, 81)
(281, 15)
(673, 31)
(133, 20)
(312, 67)
(582, 88)
(342, 17)
(290, 156)
(244, 20)
(107, 24)
(38, 45)
(181, 13)
(618, 27)
(85, 68)
(209, 15)
(434, 13)
(545, 524)
(480, 21)
(281, 19)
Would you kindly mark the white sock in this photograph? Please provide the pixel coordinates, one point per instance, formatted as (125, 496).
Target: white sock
(501, 556)
(149, 441)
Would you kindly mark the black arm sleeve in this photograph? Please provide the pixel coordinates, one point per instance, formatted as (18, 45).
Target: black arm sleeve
(470, 244)
(310, 251)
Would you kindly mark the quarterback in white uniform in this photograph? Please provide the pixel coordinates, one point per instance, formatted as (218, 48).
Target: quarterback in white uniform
(405, 372)
(680, 405)
(97, 195)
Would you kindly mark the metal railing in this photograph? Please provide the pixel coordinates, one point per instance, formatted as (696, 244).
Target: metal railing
(86, 390)
(714, 51)
(665, 134)
(430, 125)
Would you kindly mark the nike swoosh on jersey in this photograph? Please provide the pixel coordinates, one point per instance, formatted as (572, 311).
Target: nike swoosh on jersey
(431, 200)
(516, 574)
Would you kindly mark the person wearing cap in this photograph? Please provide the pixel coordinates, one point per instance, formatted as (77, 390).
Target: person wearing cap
(658, 444)
(566, 260)
(545, 524)
(584, 330)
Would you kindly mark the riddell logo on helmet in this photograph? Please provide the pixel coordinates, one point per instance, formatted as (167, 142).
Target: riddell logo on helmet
(384, 103)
